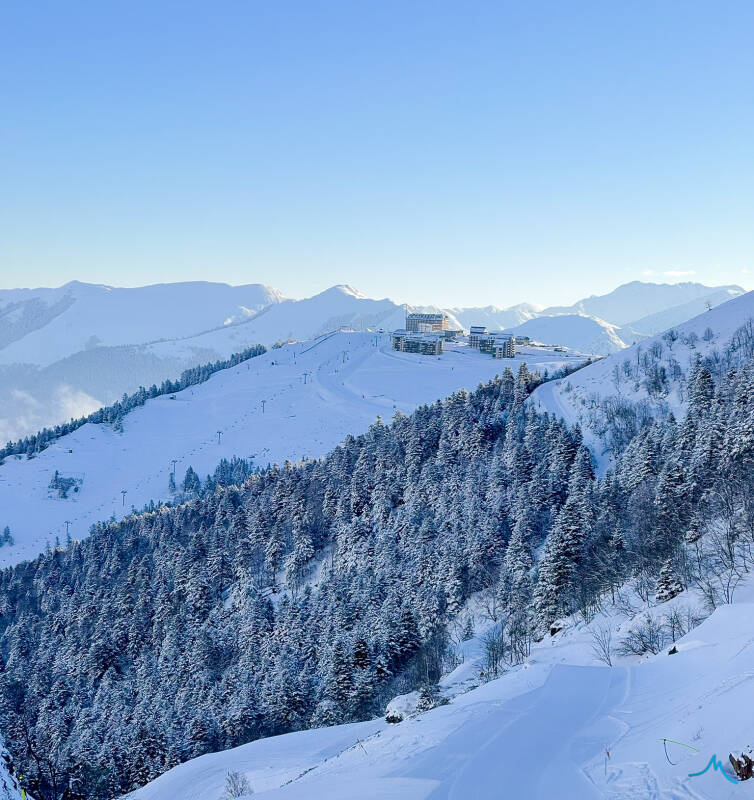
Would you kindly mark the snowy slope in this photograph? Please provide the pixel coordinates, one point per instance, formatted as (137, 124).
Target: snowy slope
(339, 306)
(635, 300)
(662, 320)
(147, 335)
(577, 397)
(541, 731)
(580, 333)
(64, 352)
(91, 315)
(350, 380)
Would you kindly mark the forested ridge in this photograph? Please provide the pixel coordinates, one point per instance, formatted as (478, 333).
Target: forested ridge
(312, 593)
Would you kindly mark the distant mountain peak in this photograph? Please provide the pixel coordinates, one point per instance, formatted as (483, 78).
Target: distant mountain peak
(342, 289)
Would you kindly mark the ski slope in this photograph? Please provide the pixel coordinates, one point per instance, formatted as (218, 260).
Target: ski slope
(540, 732)
(314, 393)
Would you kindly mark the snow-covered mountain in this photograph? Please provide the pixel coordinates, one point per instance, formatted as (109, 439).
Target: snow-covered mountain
(189, 629)
(635, 300)
(337, 307)
(42, 326)
(579, 333)
(652, 372)
(662, 320)
(66, 352)
(603, 323)
(494, 318)
(314, 394)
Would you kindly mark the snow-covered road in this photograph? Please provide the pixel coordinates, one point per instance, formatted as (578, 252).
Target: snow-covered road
(538, 732)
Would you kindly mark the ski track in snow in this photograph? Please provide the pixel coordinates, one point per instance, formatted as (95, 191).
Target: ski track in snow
(555, 720)
(539, 732)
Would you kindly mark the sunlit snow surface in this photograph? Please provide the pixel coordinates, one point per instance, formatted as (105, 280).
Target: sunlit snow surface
(540, 732)
(351, 378)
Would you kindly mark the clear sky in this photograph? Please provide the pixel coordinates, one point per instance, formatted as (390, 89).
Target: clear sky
(459, 153)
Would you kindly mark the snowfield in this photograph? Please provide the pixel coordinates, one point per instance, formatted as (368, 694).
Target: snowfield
(580, 333)
(542, 731)
(314, 393)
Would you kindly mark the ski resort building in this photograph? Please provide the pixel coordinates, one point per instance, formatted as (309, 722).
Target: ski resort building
(504, 347)
(475, 333)
(427, 323)
(450, 335)
(498, 345)
(425, 344)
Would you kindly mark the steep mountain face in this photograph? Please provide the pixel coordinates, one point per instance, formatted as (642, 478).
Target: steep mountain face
(579, 333)
(635, 300)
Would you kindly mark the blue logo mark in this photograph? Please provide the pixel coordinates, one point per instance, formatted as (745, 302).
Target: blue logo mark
(717, 766)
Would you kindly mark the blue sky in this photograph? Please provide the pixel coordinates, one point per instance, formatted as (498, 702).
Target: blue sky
(457, 153)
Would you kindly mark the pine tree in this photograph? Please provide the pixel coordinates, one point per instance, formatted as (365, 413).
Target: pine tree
(668, 584)
(340, 680)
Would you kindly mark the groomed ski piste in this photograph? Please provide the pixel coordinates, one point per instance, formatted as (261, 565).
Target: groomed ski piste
(298, 401)
(562, 726)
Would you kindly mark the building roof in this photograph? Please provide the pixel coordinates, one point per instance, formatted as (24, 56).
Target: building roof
(426, 317)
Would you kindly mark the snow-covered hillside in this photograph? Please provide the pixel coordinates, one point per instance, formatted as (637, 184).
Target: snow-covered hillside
(314, 393)
(635, 300)
(653, 371)
(662, 320)
(84, 346)
(65, 352)
(41, 326)
(562, 725)
(579, 333)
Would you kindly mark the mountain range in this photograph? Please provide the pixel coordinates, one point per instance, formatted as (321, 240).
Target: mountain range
(67, 351)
